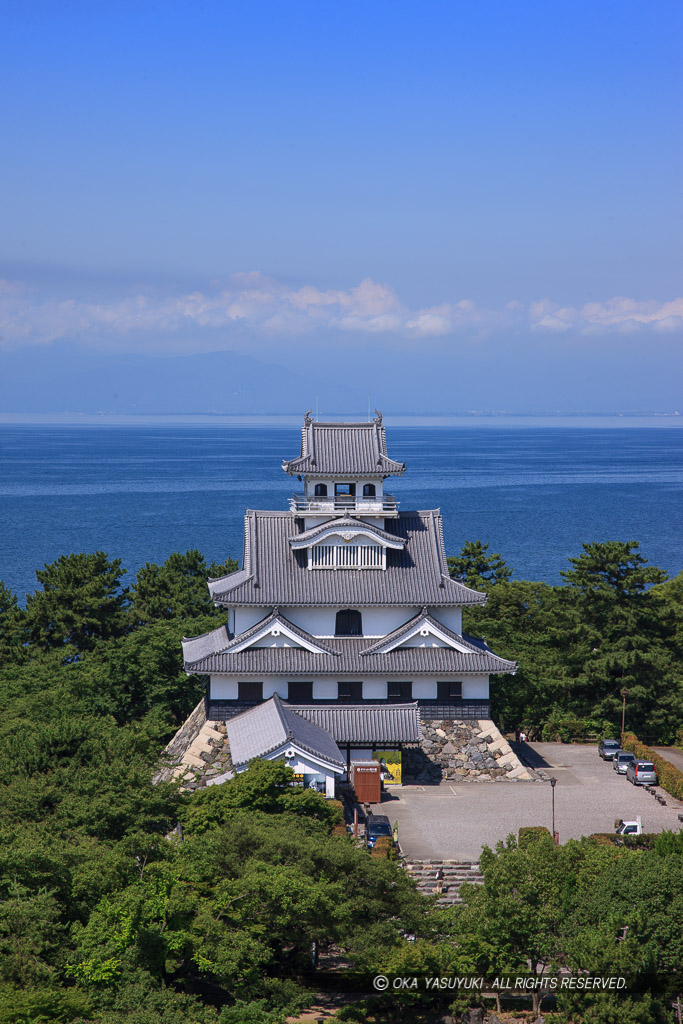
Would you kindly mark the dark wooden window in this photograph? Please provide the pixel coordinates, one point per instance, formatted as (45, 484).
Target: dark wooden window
(321, 490)
(250, 691)
(369, 490)
(300, 693)
(349, 623)
(350, 691)
(449, 691)
(399, 691)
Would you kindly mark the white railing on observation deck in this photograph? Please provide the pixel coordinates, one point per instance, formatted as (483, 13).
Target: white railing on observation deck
(304, 504)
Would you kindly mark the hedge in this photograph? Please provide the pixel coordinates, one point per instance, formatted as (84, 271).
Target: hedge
(384, 848)
(668, 776)
(646, 841)
(530, 834)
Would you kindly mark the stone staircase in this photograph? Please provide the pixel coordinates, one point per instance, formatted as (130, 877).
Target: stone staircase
(443, 878)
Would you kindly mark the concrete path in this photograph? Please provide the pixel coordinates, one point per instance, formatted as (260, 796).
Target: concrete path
(453, 821)
(672, 754)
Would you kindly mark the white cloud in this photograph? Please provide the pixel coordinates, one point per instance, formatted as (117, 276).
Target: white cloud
(619, 313)
(271, 308)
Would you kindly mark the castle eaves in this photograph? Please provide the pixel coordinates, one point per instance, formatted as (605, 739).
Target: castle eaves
(350, 449)
(277, 575)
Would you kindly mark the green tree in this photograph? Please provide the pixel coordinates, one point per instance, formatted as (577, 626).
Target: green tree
(11, 626)
(29, 934)
(143, 672)
(513, 922)
(614, 570)
(178, 588)
(476, 568)
(266, 787)
(617, 634)
(82, 601)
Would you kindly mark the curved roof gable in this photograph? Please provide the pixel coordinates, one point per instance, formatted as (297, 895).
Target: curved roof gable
(348, 528)
(421, 627)
(196, 650)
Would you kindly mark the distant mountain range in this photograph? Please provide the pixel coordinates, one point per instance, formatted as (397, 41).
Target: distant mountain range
(66, 378)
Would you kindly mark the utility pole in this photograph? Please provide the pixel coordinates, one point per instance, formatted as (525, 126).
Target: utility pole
(624, 694)
(553, 783)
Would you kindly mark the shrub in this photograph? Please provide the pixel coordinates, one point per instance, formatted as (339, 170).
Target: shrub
(669, 777)
(645, 842)
(531, 834)
(384, 848)
(563, 727)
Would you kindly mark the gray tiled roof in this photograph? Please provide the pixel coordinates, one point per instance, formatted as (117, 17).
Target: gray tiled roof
(273, 574)
(374, 724)
(268, 726)
(355, 449)
(195, 648)
(351, 658)
(345, 523)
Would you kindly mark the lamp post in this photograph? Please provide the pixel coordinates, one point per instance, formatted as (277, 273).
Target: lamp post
(553, 783)
(624, 694)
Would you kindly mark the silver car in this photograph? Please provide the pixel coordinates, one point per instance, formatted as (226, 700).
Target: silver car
(641, 773)
(622, 760)
(607, 749)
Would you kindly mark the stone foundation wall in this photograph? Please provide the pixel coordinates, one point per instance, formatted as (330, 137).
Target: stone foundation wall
(187, 732)
(465, 751)
(198, 752)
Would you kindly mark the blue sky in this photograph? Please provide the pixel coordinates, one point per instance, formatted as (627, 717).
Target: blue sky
(483, 189)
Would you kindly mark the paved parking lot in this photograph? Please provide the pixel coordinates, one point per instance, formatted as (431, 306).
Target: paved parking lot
(455, 820)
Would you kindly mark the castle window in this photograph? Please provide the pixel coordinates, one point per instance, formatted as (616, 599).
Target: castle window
(449, 691)
(369, 490)
(349, 691)
(346, 556)
(349, 623)
(321, 490)
(250, 691)
(300, 693)
(399, 691)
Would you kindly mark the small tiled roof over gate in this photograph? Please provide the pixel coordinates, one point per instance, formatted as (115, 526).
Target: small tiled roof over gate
(269, 726)
(373, 724)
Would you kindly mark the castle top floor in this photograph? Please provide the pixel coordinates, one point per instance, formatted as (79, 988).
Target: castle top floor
(343, 467)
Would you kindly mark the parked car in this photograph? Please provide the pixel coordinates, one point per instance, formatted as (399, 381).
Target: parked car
(378, 825)
(641, 773)
(621, 761)
(608, 748)
(630, 828)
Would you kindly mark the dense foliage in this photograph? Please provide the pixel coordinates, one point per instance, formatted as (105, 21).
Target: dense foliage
(615, 625)
(110, 913)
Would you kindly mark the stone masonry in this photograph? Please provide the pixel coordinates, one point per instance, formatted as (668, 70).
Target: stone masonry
(466, 751)
(443, 878)
(198, 754)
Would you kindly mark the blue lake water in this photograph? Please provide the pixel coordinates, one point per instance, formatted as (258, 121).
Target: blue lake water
(535, 494)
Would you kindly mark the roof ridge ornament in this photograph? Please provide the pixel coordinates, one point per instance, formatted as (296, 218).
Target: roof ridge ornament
(307, 417)
(378, 414)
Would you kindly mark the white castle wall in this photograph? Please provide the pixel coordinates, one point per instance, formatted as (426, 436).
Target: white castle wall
(321, 621)
(473, 687)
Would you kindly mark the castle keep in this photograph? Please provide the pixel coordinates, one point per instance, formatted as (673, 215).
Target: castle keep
(343, 608)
